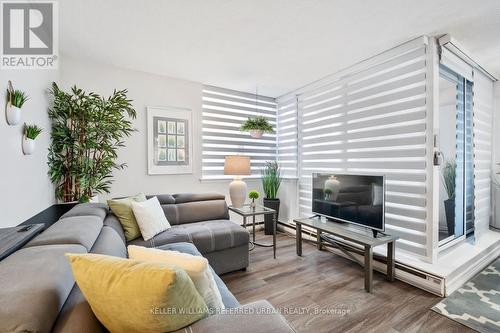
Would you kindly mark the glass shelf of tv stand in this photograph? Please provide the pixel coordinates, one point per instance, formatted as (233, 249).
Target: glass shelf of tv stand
(348, 231)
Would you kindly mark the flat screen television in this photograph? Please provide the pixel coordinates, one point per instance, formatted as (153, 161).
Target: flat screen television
(357, 199)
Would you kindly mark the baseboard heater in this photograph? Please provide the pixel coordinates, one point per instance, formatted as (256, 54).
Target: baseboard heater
(420, 279)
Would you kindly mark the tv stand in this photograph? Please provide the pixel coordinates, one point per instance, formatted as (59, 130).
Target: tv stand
(361, 238)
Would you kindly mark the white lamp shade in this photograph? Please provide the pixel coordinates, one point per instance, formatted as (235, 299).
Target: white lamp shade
(237, 165)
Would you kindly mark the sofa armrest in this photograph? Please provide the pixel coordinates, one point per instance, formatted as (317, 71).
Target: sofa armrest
(256, 317)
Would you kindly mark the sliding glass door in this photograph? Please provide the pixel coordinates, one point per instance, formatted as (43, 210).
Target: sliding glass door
(455, 163)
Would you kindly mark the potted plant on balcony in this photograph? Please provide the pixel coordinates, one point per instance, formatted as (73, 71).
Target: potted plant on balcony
(254, 195)
(15, 101)
(31, 132)
(449, 174)
(257, 126)
(271, 181)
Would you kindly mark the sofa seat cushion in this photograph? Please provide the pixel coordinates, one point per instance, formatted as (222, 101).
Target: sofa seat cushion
(36, 282)
(77, 316)
(207, 236)
(256, 317)
(227, 297)
(82, 230)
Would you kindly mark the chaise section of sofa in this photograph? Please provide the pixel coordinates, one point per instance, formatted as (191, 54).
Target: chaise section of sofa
(203, 219)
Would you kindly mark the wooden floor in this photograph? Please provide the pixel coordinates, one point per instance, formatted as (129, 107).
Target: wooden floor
(322, 281)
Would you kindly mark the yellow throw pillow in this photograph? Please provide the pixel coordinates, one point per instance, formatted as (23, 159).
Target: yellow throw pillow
(133, 296)
(122, 208)
(195, 266)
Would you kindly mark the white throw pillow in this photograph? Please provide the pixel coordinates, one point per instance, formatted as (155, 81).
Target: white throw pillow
(150, 217)
(195, 266)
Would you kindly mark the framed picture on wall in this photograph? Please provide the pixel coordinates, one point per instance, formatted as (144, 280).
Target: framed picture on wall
(170, 140)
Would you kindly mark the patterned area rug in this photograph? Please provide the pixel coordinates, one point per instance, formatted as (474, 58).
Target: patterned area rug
(477, 303)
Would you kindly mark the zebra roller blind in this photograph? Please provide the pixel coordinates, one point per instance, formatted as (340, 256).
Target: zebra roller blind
(223, 112)
(483, 99)
(370, 119)
(287, 136)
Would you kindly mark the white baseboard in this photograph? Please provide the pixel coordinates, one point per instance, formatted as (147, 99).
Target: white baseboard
(471, 269)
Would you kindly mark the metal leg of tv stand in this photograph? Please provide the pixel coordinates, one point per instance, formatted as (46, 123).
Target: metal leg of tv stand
(390, 261)
(368, 268)
(298, 239)
(318, 240)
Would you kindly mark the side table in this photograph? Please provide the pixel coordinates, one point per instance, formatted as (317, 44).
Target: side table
(248, 211)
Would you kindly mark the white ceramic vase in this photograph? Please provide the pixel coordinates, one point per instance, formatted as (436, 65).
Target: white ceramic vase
(28, 146)
(333, 185)
(256, 134)
(13, 115)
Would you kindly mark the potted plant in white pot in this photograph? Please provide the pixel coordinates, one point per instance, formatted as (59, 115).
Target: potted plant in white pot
(271, 181)
(15, 101)
(31, 132)
(257, 126)
(254, 195)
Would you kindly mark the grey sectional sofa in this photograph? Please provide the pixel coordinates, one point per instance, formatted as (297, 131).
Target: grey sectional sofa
(39, 293)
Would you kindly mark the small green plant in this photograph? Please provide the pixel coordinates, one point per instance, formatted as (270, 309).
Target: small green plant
(271, 179)
(17, 98)
(32, 131)
(449, 174)
(258, 123)
(253, 194)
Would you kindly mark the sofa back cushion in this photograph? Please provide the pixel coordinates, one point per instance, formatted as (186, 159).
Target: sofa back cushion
(110, 243)
(88, 209)
(36, 282)
(82, 230)
(188, 208)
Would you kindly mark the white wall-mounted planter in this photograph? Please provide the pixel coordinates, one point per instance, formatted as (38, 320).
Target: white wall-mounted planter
(13, 114)
(28, 146)
(256, 134)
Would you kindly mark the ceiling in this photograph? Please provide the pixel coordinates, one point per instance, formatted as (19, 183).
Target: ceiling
(276, 46)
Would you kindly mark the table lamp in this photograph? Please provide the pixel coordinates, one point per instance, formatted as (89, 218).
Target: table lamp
(237, 166)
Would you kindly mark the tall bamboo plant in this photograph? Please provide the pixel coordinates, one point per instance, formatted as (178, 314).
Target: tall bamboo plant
(271, 179)
(87, 130)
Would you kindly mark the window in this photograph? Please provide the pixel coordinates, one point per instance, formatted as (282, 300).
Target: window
(369, 119)
(223, 113)
(171, 141)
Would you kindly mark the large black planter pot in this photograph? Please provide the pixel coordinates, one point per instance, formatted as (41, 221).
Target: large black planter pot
(449, 210)
(268, 219)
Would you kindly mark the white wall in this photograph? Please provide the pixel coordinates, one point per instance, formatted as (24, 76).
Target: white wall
(149, 90)
(25, 188)
(496, 155)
